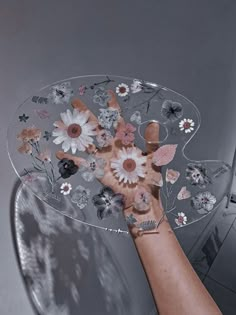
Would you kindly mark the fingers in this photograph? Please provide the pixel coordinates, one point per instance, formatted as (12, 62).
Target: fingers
(113, 104)
(78, 104)
(151, 136)
(62, 155)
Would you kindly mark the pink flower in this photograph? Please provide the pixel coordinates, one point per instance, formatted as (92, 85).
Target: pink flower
(172, 176)
(82, 90)
(125, 133)
(142, 199)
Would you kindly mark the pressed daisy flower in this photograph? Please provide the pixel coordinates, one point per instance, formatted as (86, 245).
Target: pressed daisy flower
(142, 199)
(92, 168)
(172, 176)
(104, 138)
(125, 133)
(128, 166)
(108, 117)
(171, 110)
(136, 86)
(80, 196)
(30, 134)
(101, 96)
(66, 188)
(181, 220)
(107, 203)
(74, 131)
(45, 155)
(203, 202)
(186, 125)
(122, 89)
(61, 93)
(25, 148)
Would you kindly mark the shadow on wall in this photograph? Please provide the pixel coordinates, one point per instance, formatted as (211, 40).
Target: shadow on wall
(68, 267)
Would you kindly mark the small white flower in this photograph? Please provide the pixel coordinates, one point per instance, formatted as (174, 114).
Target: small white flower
(122, 89)
(136, 86)
(66, 188)
(136, 117)
(181, 220)
(74, 131)
(61, 93)
(128, 166)
(186, 125)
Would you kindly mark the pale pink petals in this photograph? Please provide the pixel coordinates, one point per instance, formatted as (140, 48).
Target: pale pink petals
(82, 90)
(125, 133)
(164, 155)
(172, 176)
(183, 194)
(42, 113)
(142, 200)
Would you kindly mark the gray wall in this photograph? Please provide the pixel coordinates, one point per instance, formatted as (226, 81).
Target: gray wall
(186, 45)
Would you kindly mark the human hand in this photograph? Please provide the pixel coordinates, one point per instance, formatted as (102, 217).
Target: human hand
(141, 178)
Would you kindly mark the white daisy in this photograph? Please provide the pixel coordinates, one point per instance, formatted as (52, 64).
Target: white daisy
(74, 131)
(181, 220)
(122, 89)
(128, 166)
(66, 188)
(187, 125)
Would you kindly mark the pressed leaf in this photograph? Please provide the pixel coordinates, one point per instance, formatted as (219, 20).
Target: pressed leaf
(183, 194)
(148, 225)
(164, 155)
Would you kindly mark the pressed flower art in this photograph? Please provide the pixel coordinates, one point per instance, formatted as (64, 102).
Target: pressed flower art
(122, 89)
(128, 167)
(125, 133)
(171, 110)
(186, 125)
(74, 131)
(92, 168)
(107, 202)
(82, 135)
(61, 93)
(104, 138)
(203, 202)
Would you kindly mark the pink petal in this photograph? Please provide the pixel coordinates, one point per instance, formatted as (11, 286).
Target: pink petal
(183, 194)
(164, 155)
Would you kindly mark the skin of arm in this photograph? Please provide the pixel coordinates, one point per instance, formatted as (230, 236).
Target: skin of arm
(175, 286)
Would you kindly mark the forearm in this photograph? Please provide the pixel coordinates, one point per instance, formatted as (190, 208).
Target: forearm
(176, 287)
